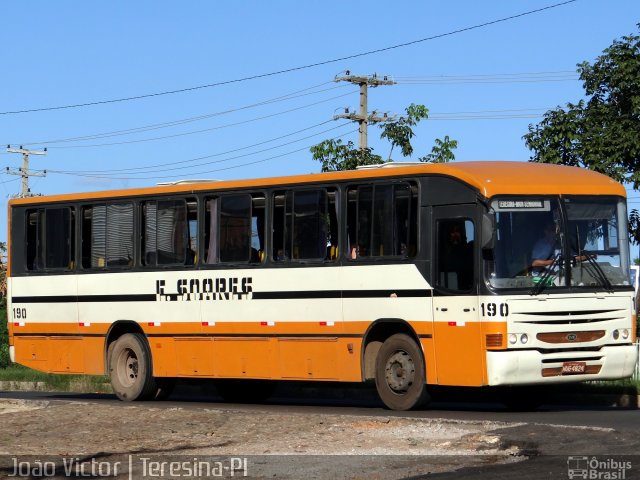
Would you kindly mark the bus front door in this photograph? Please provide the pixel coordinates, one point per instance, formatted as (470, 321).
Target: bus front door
(457, 328)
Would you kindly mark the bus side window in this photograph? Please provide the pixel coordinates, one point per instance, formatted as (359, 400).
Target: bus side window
(234, 228)
(107, 235)
(170, 232)
(303, 229)
(50, 238)
(382, 220)
(234, 232)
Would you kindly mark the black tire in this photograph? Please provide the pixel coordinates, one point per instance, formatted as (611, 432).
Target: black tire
(245, 391)
(400, 374)
(130, 368)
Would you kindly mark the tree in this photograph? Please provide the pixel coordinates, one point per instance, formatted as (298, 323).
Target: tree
(601, 132)
(442, 151)
(4, 333)
(334, 155)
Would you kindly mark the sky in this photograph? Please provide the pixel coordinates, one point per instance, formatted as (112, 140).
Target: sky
(255, 87)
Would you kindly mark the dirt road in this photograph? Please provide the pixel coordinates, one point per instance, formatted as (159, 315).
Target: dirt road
(272, 445)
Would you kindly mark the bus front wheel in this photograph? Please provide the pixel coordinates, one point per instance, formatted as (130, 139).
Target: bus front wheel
(400, 374)
(130, 368)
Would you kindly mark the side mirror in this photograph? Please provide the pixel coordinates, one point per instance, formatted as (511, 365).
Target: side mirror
(488, 230)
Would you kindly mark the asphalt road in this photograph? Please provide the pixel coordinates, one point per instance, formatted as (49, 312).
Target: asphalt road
(555, 437)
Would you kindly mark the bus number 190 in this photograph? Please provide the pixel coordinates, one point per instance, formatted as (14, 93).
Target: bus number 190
(492, 309)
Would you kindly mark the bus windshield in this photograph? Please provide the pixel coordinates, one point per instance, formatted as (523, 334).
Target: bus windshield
(549, 243)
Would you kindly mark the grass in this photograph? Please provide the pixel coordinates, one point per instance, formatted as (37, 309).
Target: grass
(55, 382)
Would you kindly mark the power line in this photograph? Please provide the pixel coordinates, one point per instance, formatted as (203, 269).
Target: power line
(296, 94)
(208, 171)
(172, 123)
(465, 115)
(533, 77)
(294, 69)
(194, 132)
(182, 162)
(147, 170)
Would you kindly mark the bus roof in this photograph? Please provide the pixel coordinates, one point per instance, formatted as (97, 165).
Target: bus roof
(490, 178)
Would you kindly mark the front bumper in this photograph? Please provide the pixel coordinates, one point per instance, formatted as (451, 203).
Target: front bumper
(522, 367)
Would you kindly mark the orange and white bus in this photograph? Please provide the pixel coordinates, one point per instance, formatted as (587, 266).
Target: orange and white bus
(409, 275)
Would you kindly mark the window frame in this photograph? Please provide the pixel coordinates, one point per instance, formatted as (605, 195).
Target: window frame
(205, 235)
(141, 232)
(413, 214)
(41, 249)
(284, 191)
(134, 202)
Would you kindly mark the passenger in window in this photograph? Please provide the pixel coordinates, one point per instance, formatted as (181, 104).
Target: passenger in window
(280, 256)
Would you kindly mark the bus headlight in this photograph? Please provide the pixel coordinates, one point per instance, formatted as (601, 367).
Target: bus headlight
(616, 334)
(625, 334)
(513, 338)
(524, 338)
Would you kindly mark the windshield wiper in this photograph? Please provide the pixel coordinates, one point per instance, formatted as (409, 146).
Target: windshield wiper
(537, 288)
(600, 275)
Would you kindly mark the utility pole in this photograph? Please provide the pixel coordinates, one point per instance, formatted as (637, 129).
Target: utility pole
(24, 172)
(363, 118)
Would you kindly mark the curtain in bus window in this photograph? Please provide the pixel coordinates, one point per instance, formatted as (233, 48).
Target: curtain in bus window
(119, 234)
(150, 229)
(98, 236)
(212, 248)
(171, 232)
(235, 228)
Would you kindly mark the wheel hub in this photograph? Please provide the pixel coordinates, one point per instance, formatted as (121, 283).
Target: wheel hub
(400, 372)
(127, 367)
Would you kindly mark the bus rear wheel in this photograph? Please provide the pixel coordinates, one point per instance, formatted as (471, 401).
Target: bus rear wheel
(400, 374)
(130, 369)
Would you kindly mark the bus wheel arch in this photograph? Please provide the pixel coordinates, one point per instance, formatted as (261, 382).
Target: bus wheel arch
(374, 337)
(116, 330)
(129, 363)
(393, 356)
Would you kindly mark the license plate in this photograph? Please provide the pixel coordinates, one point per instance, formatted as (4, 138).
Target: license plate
(572, 368)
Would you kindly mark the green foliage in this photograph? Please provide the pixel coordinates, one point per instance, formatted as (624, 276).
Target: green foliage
(601, 133)
(442, 151)
(334, 155)
(55, 382)
(4, 335)
(399, 133)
